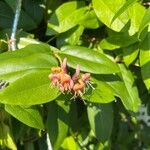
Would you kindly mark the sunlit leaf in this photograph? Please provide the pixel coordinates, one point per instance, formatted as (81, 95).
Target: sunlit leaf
(28, 115)
(89, 60)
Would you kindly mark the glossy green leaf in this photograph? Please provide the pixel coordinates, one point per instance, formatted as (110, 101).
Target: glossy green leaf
(106, 10)
(102, 92)
(62, 21)
(33, 88)
(57, 122)
(24, 41)
(127, 4)
(89, 60)
(136, 13)
(101, 120)
(90, 20)
(145, 21)
(28, 115)
(133, 101)
(118, 41)
(71, 37)
(124, 87)
(13, 65)
(130, 53)
(145, 60)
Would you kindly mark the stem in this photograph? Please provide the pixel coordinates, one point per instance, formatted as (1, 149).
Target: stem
(15, 24)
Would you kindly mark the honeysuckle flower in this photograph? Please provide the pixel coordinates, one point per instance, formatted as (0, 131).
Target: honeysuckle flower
(79, 88)
(55, 78)
(76, 84)
(77, 73)
(66, 83)
(85, 77)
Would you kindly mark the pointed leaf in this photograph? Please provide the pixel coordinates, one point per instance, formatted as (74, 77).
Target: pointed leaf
(28, 115)
(118, 41)
(57, 122)
(13, 65)
(69, 143)
(33, 88)
(145, 21)
(133, 101)
(89, 60)
(130, 53)
(145, 60)
(136, 13)
(102, 92)
(123, 9)
(101, 120)
(106, 10)
(124, 87)
(61, 20)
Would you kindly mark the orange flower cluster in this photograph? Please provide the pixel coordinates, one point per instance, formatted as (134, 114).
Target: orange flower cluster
(75, 84)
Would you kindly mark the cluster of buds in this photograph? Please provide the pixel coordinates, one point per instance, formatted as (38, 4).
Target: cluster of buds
(67, 84)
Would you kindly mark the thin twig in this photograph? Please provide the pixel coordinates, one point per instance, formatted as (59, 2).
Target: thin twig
(15, 24)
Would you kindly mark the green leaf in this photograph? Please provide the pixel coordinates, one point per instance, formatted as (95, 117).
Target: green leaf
(145, 21)
(3, 46)
(101, 120)
(102, 92)
(130, 53)
(89, 60)
(6, 15)
(90, 20)
(24, 41)
(128, 4)
(132, 102)
(28, 115)
(71, 37)
(33, 88)
(57, 122)
(124, 87)
(14, 65)
(145, 60)
(69, 143)
(34, 10)
(118, 41)
(62, 21)
(26, 22)
(136, 13)
(106, 10)
(12, 4)
(6, 138)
